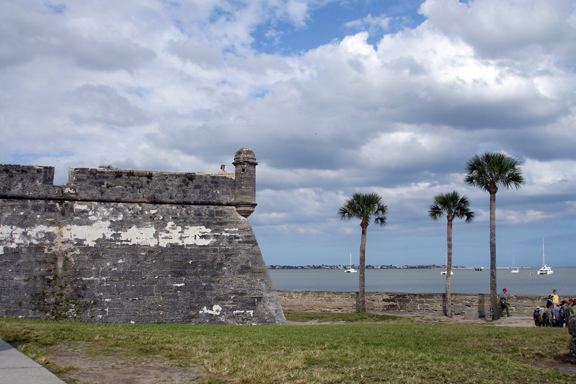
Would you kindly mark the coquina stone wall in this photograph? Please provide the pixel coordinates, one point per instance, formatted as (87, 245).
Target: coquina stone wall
(469, 306)
(133, 247)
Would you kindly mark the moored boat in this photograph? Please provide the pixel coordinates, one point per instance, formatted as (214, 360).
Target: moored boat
(514, 269)
(544, 270)
(350, 269)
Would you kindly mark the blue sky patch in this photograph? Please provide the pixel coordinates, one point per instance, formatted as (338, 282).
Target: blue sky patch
(57, 8)
(334, 21)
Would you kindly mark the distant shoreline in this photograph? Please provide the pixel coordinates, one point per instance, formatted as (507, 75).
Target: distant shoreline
(274, 266)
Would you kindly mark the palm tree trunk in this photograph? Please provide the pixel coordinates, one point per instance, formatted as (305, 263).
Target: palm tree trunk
(447, 298)
(361, 277)
(493, 290)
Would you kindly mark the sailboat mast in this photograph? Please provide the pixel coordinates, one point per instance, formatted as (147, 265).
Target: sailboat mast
(543, 260)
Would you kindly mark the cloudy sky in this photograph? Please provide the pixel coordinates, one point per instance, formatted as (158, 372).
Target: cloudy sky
(333, 96)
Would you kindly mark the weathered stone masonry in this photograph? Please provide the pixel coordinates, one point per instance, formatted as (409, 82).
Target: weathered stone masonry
(133, 246)
(467, 306)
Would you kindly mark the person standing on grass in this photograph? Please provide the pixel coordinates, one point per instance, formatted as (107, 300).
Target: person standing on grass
(550, 315)
(562, 314)
(556, 303)
(549, 301)
(571, 310)
(537, 316)
(222, 169)
(555, 298)
(504, 302)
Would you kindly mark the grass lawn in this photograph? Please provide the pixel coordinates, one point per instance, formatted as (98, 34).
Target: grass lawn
(360, 349)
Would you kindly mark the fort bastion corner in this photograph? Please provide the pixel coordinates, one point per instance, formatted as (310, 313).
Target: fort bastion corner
(126, 246)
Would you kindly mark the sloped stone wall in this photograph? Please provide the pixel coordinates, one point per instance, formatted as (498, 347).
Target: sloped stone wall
(132, 247)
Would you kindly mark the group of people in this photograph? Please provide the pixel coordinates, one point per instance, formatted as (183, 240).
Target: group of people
(556, 313)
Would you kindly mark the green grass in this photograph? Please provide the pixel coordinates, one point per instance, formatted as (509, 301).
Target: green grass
(390, 351)
(357, 317)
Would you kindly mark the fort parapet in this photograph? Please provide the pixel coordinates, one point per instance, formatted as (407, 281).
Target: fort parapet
(133, 246)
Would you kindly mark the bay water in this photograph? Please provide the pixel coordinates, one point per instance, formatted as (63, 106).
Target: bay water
(429, 281)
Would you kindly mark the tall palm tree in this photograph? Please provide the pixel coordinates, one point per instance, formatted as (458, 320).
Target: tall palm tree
(454, 206)
(364, 207)
(487, 172)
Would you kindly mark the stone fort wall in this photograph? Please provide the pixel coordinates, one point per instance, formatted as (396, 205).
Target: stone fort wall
(117, 246)
(467, 306)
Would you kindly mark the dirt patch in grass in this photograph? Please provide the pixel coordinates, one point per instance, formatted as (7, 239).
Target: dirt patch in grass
(80, 363)
(564, 365)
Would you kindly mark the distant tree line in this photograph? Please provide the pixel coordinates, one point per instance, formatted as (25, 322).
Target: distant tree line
(323, 266)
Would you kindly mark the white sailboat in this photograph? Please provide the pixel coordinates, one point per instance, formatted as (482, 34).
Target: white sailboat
(350, 269)
(544, 270)
(514, 269)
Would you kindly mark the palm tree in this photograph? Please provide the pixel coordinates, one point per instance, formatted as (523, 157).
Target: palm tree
(487, 172)
(364, 207)
(454, 206)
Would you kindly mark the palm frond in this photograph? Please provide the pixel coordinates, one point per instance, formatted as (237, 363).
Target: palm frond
(364, 206)
(451, 203)
(493, 168)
